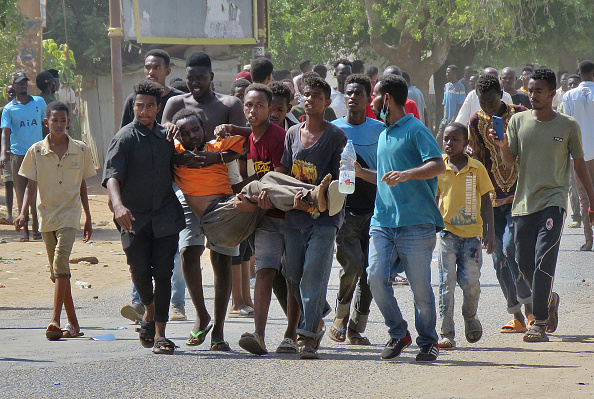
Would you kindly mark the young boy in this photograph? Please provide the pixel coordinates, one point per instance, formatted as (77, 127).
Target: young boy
(57, 167)
(464, 189)
(138, 176)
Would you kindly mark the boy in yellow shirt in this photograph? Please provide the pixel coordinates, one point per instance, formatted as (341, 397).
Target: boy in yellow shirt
(464, 195)
(57, 167)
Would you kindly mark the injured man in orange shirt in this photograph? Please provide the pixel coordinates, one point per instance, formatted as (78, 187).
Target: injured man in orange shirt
(209, 193)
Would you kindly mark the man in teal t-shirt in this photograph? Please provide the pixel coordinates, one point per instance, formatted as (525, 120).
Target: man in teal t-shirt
(405, 219)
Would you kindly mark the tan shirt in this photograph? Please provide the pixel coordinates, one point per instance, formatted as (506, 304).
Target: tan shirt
(58, 182)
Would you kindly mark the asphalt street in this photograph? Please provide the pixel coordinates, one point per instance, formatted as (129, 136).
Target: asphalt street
(499, 364)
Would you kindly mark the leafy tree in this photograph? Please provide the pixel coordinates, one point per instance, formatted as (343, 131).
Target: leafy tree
(61, 58)
(11, 25)
(86, 27)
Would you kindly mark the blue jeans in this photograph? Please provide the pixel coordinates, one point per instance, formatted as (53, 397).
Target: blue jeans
(408, 249)
(460, 259)
(178, 285)
(514, 287)
(309, 254)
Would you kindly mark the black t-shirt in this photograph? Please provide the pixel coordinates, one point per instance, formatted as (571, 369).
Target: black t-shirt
(128, 114)
(521, 99)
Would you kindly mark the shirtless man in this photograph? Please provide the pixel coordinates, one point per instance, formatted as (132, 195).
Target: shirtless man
(215, 109)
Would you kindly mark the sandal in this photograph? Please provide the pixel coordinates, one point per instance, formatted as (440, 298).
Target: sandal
(308, 352)
(147, 333)
(198, 338)
(222, 346)
(536, 333)
(513, 326)
(287, 346)
(337, 334)
(358, 340)
(70, 332)
(473, 330)
(553, 319)
(37, 236)
(164, 346)
(53, 332)
(251, 342)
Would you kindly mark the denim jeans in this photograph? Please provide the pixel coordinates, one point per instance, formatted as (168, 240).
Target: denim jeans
(309, 254)
(515, 289)
(460, 259)
(408, 249)
(352, 252)
(178, 285)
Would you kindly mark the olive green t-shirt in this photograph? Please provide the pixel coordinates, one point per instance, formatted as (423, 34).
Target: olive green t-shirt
(543, 150)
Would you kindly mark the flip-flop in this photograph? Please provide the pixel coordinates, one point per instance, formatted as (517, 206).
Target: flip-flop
(287, 346)
(473, 330)
(336, 334)
(358, 340)
(164, 346)
(307, 352)
(53, 332)
(251, 343)
(513, 326)
(221, 346)
(335, 199)
(536, 333)
(70, 332)
(196, 339)
(553, 319)
(37, 236)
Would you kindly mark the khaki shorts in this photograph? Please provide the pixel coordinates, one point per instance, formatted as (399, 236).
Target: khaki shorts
(7, 171)
(58, 245)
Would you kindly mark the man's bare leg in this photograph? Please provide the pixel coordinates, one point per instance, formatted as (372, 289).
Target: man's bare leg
(60, 286)
(262, 297)
(293, 314)
(149, 315)
(190, 258)
(9, 195)
(69, 307)
(221, 265)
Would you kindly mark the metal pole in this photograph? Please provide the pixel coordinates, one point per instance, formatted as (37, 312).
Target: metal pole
(115, 33)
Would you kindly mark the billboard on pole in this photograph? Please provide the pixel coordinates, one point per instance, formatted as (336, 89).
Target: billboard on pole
(190, 21)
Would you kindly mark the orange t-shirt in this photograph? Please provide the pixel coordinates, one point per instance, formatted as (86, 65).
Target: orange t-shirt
(213, 179)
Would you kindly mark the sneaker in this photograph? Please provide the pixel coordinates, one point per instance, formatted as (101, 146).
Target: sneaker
(133, 312)
(446, 343)
(428, 353)
(178, 313)
(395, 346)
(574, 225)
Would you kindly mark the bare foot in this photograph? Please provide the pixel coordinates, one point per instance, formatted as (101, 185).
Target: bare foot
(319, 194)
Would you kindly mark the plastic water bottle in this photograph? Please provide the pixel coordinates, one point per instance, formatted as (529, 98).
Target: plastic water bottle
(346, 179)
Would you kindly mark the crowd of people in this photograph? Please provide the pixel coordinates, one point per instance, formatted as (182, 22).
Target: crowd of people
(178, 182)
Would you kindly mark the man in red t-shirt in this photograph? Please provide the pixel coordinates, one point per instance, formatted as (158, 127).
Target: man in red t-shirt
(267, 145)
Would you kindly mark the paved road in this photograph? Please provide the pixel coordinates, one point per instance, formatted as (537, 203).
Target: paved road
(500, 364)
